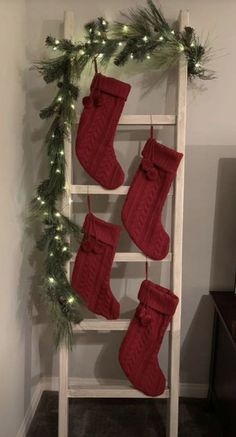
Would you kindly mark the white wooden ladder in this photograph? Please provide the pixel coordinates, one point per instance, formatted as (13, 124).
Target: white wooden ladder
(108, 391)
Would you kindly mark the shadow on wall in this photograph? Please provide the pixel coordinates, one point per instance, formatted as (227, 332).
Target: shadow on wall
(194, 354)
(31, 265)
(223, 263)
(34, 169)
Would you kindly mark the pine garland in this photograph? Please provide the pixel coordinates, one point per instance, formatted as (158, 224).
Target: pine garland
(144, 34)
(63, 303)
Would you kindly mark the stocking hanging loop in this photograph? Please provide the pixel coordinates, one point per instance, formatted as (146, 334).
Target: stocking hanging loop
(88, 199)
(151, 127)
(146, 268)
(95, 65)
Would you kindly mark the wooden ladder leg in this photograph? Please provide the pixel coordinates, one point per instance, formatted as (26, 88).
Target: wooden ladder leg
(174, 338)
(63, 351)
(173, 401)
(63, 391)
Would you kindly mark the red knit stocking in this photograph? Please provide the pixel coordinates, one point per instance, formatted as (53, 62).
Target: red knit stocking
(97, 126)
(139, 349)
(91, 274)
(141, 213)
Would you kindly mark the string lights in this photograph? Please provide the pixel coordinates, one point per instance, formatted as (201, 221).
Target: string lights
(71, 300)
(145, 34)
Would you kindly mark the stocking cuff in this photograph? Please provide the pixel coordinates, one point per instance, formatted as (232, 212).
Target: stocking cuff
(158, 298)
(162, 156)
(111, 86)
(103, 231)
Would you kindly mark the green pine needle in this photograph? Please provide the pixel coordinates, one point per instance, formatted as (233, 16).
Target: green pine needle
(143, 34)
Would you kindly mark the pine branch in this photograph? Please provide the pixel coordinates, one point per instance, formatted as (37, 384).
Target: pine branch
(143, 34)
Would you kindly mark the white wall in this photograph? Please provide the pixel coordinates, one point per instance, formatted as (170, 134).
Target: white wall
(210, 139)
(19, 360)
(210, 211)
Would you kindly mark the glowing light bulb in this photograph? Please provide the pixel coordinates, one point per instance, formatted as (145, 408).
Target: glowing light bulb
(131, 56)
(51, 280)
(53, 136)
(62, 152)
(64, 249)
(72, 106)
(103, 42)
(38, 198)
(90, 30)
(59, 99)
(104, 22)
(148, 57)
(82, 52)
(57, 214)
(197, 65)
(57, 42)
(51, 254)
(100, 55)
(42, 202)
(51, 162)
(57, 237)
(71, 299)
(181, 47)
(120, 43)
(145, 38)
(125, 28)
(98, 32)
(161, 38)
(173, 32)
(55, 48)
(58, 170)
(192, 44)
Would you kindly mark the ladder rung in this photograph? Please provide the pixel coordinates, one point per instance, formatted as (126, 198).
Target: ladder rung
(109, 391)
(146, 120)
(134, 257)
(137, 257)
(102, 325)
(96, 189)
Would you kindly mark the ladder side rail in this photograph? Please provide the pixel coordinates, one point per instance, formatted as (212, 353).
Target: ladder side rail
(174, 338)
(66, 206)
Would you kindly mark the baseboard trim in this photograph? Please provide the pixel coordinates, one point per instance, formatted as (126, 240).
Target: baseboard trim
(197, 391)
(30, 411)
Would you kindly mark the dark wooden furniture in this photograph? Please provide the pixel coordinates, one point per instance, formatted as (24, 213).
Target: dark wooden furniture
(222, 387)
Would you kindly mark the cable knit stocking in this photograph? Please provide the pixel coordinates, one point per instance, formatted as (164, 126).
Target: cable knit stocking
(141, 213)
(139, 349)
(91, 274)
(97, 127)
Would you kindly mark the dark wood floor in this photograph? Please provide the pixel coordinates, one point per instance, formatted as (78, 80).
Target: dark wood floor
(123, 418)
